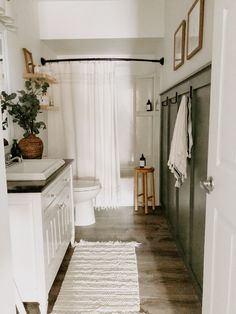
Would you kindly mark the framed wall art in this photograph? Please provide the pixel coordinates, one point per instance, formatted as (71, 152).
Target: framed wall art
(29, 64)
(179, 45)
(195, 28)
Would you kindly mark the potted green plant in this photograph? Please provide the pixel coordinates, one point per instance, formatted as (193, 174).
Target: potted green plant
(24, 107)
(4, 123)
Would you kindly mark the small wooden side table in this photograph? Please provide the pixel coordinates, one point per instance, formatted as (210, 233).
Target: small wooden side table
(145, 197)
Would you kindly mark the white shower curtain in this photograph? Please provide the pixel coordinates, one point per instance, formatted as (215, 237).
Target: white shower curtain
(85, 127)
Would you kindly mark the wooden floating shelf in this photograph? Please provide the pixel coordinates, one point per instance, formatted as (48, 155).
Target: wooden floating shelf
(49, 108)
(40, 76)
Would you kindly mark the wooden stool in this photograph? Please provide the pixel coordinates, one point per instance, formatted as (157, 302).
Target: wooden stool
(144, 172)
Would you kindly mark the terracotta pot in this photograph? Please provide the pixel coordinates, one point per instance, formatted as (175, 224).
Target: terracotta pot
(31, 147)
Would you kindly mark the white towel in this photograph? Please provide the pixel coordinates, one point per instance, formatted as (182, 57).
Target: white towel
(190, 135)
(182, 142)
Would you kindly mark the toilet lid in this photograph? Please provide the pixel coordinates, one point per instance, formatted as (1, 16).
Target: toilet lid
(86, 185)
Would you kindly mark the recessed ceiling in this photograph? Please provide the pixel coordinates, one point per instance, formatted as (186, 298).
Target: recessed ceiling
(82, 0)
(132, 46)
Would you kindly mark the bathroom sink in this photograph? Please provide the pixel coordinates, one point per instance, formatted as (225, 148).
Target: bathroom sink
(33, 169)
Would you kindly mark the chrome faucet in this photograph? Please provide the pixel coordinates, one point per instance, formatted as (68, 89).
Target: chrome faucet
(9, 161)
(19, 159)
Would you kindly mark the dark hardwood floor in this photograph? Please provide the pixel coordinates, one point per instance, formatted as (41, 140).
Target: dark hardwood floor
(165, 285)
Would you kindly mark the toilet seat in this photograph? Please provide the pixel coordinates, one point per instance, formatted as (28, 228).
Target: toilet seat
(81, 185)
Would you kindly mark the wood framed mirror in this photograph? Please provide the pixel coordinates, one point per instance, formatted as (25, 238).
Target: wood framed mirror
(195, 28)
(29, 64)
(179, 45)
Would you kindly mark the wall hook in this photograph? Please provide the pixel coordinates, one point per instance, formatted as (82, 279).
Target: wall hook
(175, 101)
(166, 102)
(191, 92)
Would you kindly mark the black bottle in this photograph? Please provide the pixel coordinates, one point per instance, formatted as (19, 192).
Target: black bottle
(142, 162)
(149, 105)
(5, 142)
(15, 150)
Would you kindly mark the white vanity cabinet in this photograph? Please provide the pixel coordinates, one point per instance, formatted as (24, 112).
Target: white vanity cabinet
(42, 226)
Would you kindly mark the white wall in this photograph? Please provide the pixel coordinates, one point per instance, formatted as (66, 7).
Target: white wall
(26, 36)
(175, 12)
(101, 19)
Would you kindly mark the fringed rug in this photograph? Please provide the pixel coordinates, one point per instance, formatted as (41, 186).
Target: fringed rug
(102, 277)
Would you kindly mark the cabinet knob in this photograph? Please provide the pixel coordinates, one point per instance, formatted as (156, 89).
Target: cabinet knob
(208, 185)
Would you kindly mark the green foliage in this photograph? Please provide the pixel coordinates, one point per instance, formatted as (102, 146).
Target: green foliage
(4, 119)
(24, 105)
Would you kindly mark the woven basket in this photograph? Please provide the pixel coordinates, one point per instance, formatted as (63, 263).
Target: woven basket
(31, 147)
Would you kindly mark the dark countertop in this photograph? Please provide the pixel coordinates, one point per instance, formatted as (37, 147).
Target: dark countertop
(35, 186)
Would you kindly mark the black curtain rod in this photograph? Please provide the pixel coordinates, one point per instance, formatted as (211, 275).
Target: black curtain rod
(44, 61)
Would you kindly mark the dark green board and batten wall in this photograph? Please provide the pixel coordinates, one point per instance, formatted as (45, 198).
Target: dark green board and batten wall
(185, 207)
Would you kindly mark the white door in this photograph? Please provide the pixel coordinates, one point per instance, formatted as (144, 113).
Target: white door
(7, 303)
(219, 287)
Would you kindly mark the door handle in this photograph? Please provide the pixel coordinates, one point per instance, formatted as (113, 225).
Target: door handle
(208, 185)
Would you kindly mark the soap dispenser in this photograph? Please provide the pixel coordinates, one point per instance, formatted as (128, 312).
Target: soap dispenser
(15, 150)
(149, 105)
(142, 161)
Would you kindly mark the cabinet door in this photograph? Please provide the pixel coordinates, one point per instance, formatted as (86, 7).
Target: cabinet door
(201, 130)
(52, 241)
(184, 214)
(172, 208)
(49, 230)
(65, 218)
(57, 233)
(164, 158)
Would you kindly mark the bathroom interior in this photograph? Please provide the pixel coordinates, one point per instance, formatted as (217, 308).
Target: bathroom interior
(172, 257)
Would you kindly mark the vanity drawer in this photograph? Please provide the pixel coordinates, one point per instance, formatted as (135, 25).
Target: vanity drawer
(54, 189)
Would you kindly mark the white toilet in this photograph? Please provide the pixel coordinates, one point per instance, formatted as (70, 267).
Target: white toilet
(85, 191)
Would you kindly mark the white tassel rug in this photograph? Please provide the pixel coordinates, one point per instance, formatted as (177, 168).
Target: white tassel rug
(102, 277)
